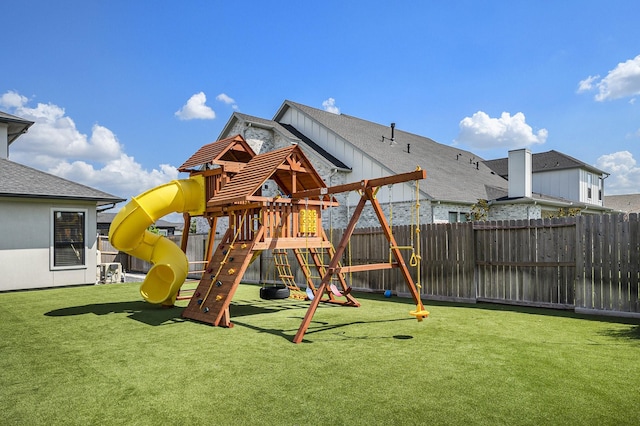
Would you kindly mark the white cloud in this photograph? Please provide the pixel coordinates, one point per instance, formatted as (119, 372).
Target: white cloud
(55, 145)
(54, 137)
(625, 174)
(587, 84)
(224, 98)
(620, 82)
(480, 131)
(196, 108)
(330, 106)
(12, 99)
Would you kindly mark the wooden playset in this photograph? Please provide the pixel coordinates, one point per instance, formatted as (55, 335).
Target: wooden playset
(226, 179)
(234, 177)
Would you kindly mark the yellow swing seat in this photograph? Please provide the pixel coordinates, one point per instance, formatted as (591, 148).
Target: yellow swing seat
(420, 313)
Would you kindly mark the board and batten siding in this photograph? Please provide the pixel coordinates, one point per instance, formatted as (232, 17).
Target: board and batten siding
(591, 181)
(363, 166)
(558, 183)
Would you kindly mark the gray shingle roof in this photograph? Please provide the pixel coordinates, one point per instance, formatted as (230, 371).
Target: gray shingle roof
(542, 162)
(17, 180)
(452, 174)
(628, 203)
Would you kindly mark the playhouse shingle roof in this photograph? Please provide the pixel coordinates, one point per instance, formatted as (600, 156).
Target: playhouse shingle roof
(268, 166)
(452, 174)
(231, 149)
(17, 180)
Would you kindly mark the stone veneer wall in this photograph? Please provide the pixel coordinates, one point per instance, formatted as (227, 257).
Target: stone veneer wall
(515, 212)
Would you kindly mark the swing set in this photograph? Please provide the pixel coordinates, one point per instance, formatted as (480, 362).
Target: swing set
(234, 177)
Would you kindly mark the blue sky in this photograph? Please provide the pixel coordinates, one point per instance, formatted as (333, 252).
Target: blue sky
(123, 92)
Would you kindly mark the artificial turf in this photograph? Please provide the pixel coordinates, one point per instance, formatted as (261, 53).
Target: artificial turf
(100, 355)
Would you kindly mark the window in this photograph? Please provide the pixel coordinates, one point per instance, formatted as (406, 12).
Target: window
(68, 238)
(600, 186)
(457, 217)
(589, 184)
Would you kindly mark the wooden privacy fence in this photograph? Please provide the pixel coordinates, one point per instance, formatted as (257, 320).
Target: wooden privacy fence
(587, 263)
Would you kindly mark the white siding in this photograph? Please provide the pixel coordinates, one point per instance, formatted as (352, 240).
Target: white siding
(558, 183)
(363, 167)
(591, 181)
(26, 244)
(572, 184)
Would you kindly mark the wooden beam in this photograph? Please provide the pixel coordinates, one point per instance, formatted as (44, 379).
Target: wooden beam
(367, 267)
(294, 168)
(291, 243)
(363, 184)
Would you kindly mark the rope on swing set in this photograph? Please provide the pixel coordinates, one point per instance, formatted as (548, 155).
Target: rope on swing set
(416, 259)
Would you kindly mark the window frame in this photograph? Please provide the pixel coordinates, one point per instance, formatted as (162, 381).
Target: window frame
(52, 249)
(461, 217)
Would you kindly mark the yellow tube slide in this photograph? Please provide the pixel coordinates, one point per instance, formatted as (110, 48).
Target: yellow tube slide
(128, 233)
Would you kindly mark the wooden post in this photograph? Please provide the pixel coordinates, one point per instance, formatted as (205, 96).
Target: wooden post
(185, 232)
(330, 270)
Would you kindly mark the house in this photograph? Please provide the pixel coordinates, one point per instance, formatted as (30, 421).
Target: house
(545, 182)
(48, 228)
(344, 148)
(627, 203)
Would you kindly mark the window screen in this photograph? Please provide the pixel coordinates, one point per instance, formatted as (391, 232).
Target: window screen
(68, 238)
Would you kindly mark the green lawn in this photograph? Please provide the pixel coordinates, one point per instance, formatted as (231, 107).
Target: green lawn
(100, 355)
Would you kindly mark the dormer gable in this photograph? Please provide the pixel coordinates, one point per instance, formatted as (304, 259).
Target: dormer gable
(288, 167)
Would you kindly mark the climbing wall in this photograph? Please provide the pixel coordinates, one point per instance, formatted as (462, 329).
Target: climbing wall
(211, 299)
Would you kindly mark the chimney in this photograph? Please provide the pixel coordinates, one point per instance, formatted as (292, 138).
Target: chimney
(520, 173)
(4, 140)
(393, 133)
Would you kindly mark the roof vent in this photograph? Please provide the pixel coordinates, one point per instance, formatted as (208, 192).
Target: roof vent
(393, 135)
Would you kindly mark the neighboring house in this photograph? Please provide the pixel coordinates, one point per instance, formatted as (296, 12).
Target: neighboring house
(346, 149)
(164, 228)
(48, 224)
(548, 181)
(628, 203)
